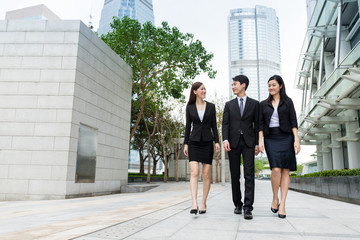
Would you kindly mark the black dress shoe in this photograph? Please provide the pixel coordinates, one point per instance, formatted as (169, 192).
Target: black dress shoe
(281, 215)
(238, 210)
(194, 211)
(248, 215)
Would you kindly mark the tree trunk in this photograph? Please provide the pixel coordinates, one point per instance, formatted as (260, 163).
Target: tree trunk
(177, 170)
(138, 118)
(186, 162)
(148, 146)
(154, 167)
(220, 166)
(217, 169)
(149, 162)
(142, 166)
(165, 163)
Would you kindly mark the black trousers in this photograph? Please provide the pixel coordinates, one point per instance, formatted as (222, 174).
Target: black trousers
(248, 154)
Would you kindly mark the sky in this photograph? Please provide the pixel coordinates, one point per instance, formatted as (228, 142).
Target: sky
(207, 20)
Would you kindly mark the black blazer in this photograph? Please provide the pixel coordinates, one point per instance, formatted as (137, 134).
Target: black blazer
(201, 131)
(233, 123)
(287, 116)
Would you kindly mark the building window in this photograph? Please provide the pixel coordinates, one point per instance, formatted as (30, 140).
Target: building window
(86, 155)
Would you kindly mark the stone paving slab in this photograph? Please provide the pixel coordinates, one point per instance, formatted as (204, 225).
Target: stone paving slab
(163, 213)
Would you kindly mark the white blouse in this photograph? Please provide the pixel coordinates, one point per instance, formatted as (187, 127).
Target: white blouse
(201, 114)
(274, 121)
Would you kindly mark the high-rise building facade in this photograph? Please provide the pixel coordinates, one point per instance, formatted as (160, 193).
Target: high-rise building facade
(328, 74)
(142, 10)
(254, 47)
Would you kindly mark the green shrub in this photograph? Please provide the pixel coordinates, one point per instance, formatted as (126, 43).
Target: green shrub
(332, 173)
(138, 175)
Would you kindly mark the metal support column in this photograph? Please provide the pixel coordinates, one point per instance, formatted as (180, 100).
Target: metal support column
(338, 35)
(353, 146)
(327, 161)
(337, 150)
(319, 158)
(321, 63)
(311, 88)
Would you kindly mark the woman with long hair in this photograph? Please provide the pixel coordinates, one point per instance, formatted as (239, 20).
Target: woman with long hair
(200, 133)
(278, 126)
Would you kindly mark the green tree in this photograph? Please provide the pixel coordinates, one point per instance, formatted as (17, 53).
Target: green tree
(299, 169)
(259, 166)
(163, 60)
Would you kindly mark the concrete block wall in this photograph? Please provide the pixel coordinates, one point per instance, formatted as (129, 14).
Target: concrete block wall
(55, 75)
(102, 100)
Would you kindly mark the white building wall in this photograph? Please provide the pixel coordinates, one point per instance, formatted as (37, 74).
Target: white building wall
(55, 75)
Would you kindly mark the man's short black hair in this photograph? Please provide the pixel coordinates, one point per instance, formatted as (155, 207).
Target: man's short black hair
(242, 79)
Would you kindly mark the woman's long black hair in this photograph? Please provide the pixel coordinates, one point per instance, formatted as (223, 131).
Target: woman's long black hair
(194, 87)
(283, 95)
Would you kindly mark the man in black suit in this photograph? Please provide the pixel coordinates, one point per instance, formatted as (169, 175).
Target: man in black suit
(240, 135)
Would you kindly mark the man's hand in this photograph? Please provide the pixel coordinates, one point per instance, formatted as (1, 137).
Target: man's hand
(227, 146)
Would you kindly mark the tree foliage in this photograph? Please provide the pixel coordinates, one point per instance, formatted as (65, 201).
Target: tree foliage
(259, 166)
(163, 60)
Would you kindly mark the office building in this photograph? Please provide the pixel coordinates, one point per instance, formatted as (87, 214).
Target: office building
(328, 75)
(38, 12)
(254, 47)
(142, 10)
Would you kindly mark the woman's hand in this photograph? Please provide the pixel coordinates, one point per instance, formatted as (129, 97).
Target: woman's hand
(217, 147)
(186, 150)
(261, 147)
(297, 146)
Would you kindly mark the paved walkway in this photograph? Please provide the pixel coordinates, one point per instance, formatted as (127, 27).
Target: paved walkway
(163, 213)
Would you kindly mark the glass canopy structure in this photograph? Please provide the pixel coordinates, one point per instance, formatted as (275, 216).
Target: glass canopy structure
(328, 74)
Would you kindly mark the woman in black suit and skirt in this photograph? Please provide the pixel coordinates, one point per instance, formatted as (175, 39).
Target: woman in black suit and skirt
(198, 142)
(278, 125)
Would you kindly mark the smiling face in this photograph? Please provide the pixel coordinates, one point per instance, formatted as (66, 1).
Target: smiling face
(200, 92)
(274, 87)
(238, 88)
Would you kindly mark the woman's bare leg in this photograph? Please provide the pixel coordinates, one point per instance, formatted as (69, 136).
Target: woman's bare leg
(194, 168)
(275, 184)
(206, 175)
(284, 188)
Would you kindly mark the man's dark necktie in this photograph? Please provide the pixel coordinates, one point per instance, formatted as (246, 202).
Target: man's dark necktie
(241, 106)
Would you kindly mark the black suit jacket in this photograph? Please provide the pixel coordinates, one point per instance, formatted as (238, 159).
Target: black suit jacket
(201, 131)
(233, 123)
(287, 116)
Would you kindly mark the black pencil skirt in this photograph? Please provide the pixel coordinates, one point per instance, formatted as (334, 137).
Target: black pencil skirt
(279, 149)
(201, 152)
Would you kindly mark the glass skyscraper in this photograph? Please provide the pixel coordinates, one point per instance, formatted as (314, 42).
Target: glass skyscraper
(254, 47)
(142, 10)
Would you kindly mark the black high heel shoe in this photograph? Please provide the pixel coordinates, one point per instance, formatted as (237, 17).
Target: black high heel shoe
(281, 215)
(202, 211)
(194, 211)
(274, 210)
